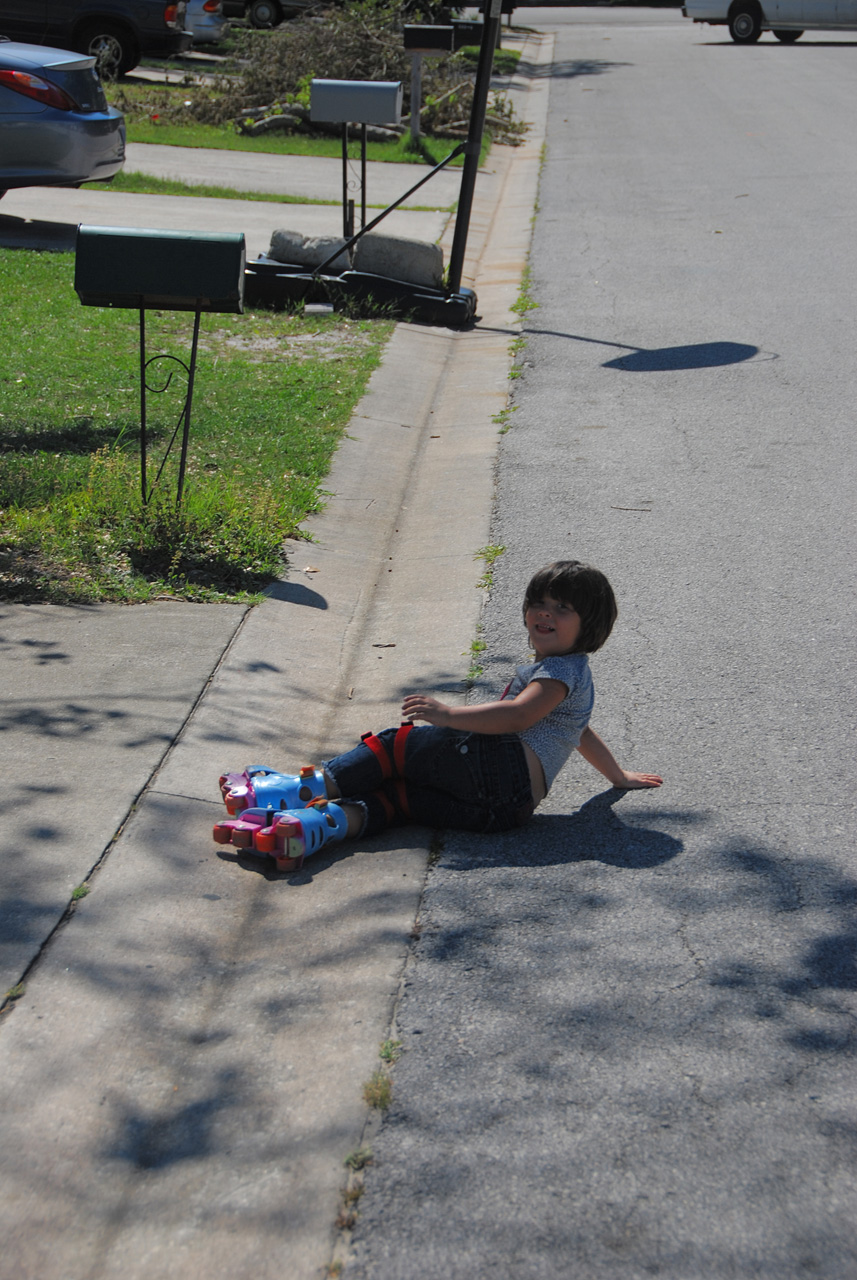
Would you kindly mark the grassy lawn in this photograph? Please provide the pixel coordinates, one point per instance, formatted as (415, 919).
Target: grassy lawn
(148, 109)
(145, 184)
(224, 138)
(273, 394)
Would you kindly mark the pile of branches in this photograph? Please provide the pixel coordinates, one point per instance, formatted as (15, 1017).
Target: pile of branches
(358, 41)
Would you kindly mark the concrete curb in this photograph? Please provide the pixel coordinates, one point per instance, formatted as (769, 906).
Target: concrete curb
(187, 1065)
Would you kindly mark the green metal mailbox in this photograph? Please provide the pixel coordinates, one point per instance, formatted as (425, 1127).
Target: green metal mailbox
(165, 270)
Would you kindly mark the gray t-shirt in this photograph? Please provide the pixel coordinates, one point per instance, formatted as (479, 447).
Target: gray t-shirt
(555, 737)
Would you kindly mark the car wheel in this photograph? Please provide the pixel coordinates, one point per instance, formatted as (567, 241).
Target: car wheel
(113, 47)
(745, 24)
(264, 13)
(787, 37)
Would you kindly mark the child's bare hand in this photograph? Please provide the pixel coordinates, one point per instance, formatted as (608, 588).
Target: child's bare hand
(417, 706)
(635, 781)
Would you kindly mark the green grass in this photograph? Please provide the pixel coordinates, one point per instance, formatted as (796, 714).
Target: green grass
(224, 138)
(146, 185)
(505, 60)
(273, 394)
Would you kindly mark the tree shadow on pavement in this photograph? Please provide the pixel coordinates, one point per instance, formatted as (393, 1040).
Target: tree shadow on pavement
(567, 70)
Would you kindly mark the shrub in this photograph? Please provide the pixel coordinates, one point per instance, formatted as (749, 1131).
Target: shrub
(358, 41)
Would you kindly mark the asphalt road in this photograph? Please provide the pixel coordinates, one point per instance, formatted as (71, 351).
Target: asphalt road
(629, 1032)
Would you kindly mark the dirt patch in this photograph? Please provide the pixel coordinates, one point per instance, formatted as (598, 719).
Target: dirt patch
(295, 348)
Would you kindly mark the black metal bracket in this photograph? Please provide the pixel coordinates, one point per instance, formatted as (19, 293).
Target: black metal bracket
(183, 423)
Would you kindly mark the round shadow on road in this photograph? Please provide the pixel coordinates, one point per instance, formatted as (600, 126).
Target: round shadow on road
(699, 355)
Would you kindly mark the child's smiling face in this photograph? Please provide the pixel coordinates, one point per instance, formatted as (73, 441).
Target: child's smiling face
(553, 626)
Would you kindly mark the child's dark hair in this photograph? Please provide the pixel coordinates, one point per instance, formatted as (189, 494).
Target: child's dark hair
(586, 590)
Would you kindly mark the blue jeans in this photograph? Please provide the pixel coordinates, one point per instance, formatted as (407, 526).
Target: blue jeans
(437, 778)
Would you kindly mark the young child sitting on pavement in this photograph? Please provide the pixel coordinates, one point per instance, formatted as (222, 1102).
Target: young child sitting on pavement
(476, 768)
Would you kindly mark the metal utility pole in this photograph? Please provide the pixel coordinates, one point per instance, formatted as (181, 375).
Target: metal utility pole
(491, 13)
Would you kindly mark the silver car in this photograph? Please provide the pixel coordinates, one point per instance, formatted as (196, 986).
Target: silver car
(56, 128)
(204, 18)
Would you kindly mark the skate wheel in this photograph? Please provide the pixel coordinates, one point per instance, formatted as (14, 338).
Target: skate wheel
(266, 840)
(242, 837)
(289, 864)
(222, 833)
(238, 800)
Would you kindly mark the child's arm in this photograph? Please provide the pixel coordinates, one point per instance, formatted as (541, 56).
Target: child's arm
(511, 715)
(599, 755)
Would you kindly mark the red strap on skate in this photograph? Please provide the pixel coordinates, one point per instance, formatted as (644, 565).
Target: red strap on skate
(399, 760)
(396, 767)
(403, 798)
(399, 748)
(376, 746)
(389, 811)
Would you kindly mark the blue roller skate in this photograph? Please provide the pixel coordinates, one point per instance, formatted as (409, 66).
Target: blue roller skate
(258, 787)
(287, 836)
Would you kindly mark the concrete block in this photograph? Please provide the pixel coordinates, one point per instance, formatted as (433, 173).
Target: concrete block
(308, 251)
(400, 259)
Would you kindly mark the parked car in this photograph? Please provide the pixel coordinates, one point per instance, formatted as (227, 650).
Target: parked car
(788, 19)
(56, 128)
(116, 32)
(265, 13)
(205, 21)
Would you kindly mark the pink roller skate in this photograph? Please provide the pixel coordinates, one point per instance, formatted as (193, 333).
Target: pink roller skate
(259, 786)
(287, 836)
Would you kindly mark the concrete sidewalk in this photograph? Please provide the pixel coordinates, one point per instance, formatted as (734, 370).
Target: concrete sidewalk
(182, 1077)
(313, 177)
(48, 218)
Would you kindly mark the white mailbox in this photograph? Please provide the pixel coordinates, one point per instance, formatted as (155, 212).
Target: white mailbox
(356, 101)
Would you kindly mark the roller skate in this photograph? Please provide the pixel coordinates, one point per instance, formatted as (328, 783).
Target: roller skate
(287, 836)
(259, 787)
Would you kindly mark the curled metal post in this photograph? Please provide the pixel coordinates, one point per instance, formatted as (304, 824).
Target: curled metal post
(143, 489)
(183, 422)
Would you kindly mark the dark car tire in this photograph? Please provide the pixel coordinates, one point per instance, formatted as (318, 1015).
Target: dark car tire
(264, 14)
(787, 37)
(113, 46)
(745, 24)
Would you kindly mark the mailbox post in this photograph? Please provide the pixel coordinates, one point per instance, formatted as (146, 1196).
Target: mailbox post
(142, 269)
(424, 41)
(355, 102)
(491, 10)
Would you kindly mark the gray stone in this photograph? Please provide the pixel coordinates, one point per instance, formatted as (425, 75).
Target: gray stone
(400, 259)
(308, 251)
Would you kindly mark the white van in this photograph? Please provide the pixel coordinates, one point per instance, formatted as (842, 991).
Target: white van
(788, 19)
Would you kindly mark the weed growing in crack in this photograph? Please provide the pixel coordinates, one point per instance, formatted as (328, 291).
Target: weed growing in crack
(490, 554)
(358, 1159)
(390, 1051)
(378, 1090)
